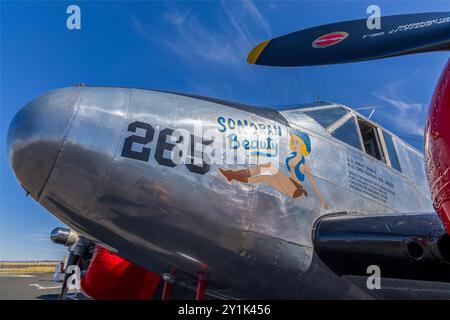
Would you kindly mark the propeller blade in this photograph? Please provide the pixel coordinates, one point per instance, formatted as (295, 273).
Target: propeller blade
(352, 41)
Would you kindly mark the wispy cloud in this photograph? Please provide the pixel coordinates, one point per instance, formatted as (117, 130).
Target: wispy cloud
(236, 25)
(211, 44)
(38, 237)
(250, 7)
(195, 42)
(138, 27)
(177, 18)
(223, 41)
(408, 115)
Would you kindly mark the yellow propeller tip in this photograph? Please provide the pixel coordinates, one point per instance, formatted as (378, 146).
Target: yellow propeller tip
(256, 52)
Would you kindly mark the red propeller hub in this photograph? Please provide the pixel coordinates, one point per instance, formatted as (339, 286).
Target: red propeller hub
(110, 277)
(437, 147)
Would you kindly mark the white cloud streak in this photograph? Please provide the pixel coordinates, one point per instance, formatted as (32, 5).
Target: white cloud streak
(256, 14)
(408, 116)
(226, 42)
(38, 237)
(139, 28)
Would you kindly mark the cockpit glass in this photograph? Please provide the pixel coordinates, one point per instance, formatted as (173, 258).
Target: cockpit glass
(326, 117)
(348, 133)
(391, 151)
(371, 140)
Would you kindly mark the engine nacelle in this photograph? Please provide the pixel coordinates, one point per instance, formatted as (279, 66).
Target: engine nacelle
(110, 277)
(437, 147)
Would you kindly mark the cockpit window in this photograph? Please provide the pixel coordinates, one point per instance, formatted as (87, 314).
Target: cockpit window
(371, 140)
(358, 133)
(395, 163)
(348, 133)
(326, 117)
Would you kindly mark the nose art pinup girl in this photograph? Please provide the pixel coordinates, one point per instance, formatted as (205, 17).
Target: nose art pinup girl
(291, 185)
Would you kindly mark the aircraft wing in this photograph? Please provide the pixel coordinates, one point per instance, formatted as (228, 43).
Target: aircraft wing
(404, 246)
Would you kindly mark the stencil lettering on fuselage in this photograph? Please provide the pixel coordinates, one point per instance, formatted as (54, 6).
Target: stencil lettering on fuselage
(365, 179)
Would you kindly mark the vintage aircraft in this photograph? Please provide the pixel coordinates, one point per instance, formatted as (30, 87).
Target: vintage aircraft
(250, 202)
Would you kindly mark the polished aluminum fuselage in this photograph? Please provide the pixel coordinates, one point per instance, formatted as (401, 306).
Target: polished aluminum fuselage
(66, 149)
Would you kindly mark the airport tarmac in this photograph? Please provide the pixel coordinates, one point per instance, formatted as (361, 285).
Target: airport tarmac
(36, 286)
(39, 286)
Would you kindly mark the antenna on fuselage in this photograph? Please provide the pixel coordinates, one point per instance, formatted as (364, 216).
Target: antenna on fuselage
(373, 109)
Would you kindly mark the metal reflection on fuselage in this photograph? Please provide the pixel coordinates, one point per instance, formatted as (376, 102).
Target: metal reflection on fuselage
(135, 172)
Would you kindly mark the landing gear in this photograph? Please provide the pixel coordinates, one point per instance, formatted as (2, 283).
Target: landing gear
(201, 287)
(169, 279)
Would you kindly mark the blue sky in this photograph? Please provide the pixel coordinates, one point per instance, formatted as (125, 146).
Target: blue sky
(196, 47)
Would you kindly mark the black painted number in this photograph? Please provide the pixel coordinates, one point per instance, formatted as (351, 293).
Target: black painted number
(195, 150)
(144, 154)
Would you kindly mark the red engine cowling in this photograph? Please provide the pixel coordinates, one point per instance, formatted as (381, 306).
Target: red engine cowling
(110, 277)
(437, 147)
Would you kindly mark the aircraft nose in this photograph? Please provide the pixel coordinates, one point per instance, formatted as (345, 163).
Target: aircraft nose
(36, 135)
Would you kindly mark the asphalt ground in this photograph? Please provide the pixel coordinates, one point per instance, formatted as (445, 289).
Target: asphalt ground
(39, 286)
(35, 286)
